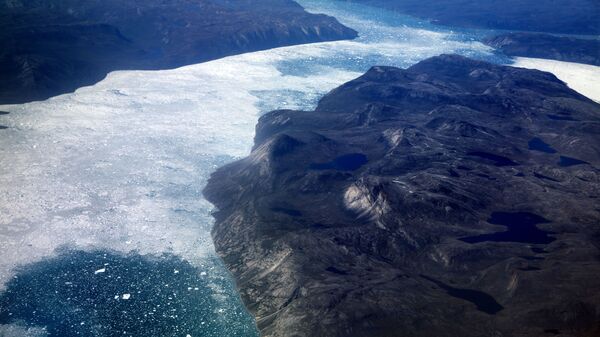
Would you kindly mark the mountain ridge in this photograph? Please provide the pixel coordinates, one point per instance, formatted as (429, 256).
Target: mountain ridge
(53, 47)
(432, 200)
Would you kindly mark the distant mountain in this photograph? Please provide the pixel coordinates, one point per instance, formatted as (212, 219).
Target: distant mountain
(546, 46)
(553, 16)
(454, 198)
(51, 47)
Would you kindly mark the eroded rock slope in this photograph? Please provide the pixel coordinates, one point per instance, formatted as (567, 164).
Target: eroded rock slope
(454, 198)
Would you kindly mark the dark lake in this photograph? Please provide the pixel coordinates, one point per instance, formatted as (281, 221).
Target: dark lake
(568, 161)
(288, 211)
(561, 118)
(521, 227)
(536, 144)
(347, 162)
(497, 159)
(484, 302)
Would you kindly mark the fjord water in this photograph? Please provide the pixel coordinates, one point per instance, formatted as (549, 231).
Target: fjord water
(103, 227)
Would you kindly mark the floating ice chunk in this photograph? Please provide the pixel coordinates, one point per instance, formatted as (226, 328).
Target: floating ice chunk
(175, 271)
(100, 271)
(126, 296)
(188, 335)
(203, 273)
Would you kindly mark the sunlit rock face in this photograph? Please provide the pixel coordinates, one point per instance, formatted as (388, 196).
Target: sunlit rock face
(453, 198)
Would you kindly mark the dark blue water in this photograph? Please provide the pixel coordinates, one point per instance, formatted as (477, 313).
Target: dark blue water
(561, 118)
(568, 161)
(82, 294)
(288, 211)
(521, 227)
(536, 144)
(347, 162)
(497, 159)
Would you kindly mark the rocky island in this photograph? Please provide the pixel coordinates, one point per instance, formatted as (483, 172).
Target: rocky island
(52, 47)
(453, 198)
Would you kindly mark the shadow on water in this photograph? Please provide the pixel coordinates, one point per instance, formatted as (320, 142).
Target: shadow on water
(561, 118)
(536, 144)
(106, 294)
(483, 301)
(541, 176)
(497, 159)
(347, 162)
(568, 161)
(288, 211)
(521, 227)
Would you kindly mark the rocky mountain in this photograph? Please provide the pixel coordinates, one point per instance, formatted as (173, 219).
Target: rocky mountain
(553, 16)
(547, 46)
(51, 47)
(453, 198)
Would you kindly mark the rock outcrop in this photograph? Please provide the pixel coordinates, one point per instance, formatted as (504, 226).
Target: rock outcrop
(453, 198)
